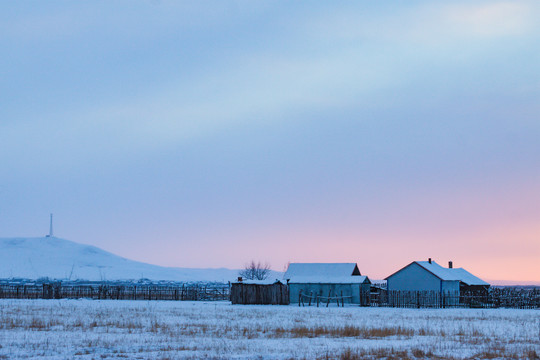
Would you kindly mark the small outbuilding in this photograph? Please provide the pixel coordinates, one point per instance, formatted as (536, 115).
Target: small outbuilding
(327, 280)
(259, 292)
(430, 276)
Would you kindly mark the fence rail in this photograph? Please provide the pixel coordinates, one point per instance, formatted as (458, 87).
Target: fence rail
(318, 299)
(114, 292)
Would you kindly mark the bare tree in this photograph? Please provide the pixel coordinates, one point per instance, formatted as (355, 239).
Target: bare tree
(255, 271)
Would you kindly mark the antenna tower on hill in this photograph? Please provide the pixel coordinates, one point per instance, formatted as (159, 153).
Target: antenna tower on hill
(50, 229)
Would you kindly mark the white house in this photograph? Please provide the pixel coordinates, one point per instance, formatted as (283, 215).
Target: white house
(430, 276)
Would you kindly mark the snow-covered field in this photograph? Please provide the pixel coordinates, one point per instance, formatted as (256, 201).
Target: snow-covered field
(86, 329)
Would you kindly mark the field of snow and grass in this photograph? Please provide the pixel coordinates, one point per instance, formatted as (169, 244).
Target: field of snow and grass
(86, 329)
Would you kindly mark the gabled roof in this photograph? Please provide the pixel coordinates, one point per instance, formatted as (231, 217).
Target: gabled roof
(320, 270)
(360, 279)
(446, 274)
(454, 274)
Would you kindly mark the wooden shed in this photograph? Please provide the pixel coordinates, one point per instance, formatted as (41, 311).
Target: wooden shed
(259, 292)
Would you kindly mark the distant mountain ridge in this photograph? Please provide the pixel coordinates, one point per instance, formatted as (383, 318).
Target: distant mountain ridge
(55, 258)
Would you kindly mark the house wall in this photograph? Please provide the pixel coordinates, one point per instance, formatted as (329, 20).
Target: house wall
(324, 289)
(414, 278)
(450, 286)
(451, 292)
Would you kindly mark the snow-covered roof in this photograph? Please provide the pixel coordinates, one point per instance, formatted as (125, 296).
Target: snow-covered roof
(329, 280)
(260, 282)
(327, 270)
(324, 273)
(453, 274)
(468, 278)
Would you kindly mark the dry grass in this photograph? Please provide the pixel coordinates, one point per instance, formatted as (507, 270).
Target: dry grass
(33, 323)
(415, 354)
(337, 332)
(387, 354)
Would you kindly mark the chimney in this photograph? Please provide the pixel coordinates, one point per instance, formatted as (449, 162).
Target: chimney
(450, 265)
(239, 279)
(429, 260)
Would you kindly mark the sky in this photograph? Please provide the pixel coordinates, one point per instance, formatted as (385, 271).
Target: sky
(211, 133)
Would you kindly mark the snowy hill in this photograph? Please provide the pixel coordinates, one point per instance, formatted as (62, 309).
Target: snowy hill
(34, 258)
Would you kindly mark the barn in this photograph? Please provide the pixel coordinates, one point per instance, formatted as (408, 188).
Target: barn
(259, 292)
(430, 276)
(327, 280)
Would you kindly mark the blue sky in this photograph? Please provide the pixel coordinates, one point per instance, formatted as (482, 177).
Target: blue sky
(209, 133)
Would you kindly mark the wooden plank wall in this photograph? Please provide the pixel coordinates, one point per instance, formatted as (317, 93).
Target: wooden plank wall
(256, 294)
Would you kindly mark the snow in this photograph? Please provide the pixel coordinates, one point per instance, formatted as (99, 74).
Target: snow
(268, 281)
(359, 279)
(466, 277)
(454, 274)
(85, 329)
(315, 272)
(56, 258)
(323, 273)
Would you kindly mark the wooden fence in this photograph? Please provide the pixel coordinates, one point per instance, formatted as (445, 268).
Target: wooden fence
(316, 299)
(494, 298)
(114, 292)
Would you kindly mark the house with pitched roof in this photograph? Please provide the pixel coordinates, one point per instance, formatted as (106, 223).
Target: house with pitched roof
(327, 279)
(430, 276)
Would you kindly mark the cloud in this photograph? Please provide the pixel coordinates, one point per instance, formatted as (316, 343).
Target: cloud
(49, 24)
(57, 21)
(256, 89)
(491, 19)
(337, 59)
(431, 24)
